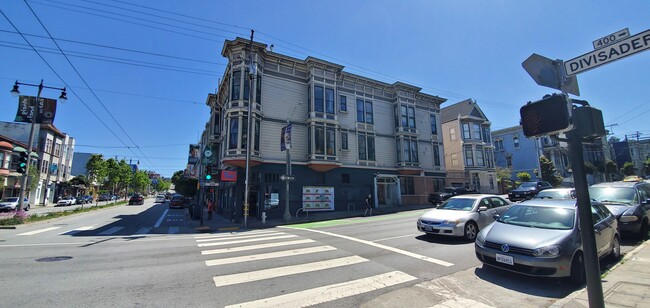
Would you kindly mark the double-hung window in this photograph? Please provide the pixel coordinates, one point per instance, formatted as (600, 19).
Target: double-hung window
(436, 155)
(344, 141)
(407, 116)
(476, 131)
(434, 127)
(466, 133)
(515, 141)
(411, 116)
(366, 147)
(407, 150)
(236, 85)
(469, 157)
(343, 103)
(480, 161)
(364, 111)
(319, 99)
(329, 100)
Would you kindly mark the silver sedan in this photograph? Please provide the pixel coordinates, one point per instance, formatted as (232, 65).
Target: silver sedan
(462, 215)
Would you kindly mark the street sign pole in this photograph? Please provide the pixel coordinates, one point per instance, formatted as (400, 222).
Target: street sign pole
(287, 211)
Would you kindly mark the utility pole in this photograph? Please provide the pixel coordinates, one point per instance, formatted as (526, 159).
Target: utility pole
(252, 72)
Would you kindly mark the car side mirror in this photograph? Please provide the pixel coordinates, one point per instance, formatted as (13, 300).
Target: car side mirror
(482, 208)
(645, 202)
(496, 216)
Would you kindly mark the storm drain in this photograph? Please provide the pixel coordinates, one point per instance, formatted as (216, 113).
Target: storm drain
(54, 259)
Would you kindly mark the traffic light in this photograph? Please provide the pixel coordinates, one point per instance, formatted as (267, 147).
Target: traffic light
(208, 173)
(548, 116)
(22, 162)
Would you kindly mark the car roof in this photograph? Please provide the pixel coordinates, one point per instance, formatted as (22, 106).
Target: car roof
(568, 203)
(558, 189)
(474, 196)
(618, 184)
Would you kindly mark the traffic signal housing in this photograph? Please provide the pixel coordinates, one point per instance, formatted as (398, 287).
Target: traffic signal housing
(208, 173)
(548, 116)
(23, 162)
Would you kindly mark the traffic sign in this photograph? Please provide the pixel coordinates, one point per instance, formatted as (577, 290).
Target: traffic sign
(288, 178)
(548, 73)
(616, 51)
(611, 39)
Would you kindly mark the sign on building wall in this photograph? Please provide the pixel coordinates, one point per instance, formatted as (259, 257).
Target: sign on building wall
(228, 176)
(193, 156)
(317, 198)
(285, 139)
(45, 110)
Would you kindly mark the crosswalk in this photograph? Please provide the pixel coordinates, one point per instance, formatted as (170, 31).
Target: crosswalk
(294, 258)
(98, 230)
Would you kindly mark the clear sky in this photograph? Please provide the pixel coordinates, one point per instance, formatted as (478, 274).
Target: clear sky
(152, 63)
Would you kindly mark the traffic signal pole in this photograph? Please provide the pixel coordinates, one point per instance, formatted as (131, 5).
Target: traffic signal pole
(24, 180)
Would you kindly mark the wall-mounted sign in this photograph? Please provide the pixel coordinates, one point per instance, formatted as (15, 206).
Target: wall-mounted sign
(27, 106)
(228, 176)
(193, 156)
(317, 198)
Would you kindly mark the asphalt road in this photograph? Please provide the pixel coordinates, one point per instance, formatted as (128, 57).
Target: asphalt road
(127, 256)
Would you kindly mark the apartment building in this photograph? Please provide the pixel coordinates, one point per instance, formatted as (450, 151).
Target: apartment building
(350, 134)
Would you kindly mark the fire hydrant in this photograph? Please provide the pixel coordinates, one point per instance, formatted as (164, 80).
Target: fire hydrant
(264, 217)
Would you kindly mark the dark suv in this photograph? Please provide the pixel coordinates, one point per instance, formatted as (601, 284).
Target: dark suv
(628, 201)
(448, 193)
(527, 190)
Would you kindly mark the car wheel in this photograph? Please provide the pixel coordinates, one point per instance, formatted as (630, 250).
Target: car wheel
(471, 230)
(577, 277)
(615, 254)
(643, 233)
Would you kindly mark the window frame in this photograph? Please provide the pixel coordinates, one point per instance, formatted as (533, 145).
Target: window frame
(343, 103)
(319, 101)
(469, 157)
(344, 141)
(434, 125)
(467, 135)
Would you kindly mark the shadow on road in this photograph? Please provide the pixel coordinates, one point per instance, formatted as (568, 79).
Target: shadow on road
(441, 239)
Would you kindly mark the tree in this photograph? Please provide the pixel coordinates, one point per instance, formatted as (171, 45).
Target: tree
(590, 168)
(503, 174)
(646, 166)
(96, 168)
(186, 187)
(628, 168)
(162, 185)
(549, 173)
(141, 180)
(80, 180)
(125, 174)
(523, 176)
(610, 169)
(34, 177)
(113, 173)
(177, 176)
(613, 139)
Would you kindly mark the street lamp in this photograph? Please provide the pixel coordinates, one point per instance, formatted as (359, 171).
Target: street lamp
(287, 213)
(14, 92)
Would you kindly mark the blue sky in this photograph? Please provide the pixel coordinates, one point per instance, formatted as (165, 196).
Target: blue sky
(453, 49)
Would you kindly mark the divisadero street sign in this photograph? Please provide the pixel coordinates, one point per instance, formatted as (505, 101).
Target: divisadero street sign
(616, 51)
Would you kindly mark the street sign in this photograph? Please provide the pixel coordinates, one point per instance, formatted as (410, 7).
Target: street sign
(288, 178)
(285, 138)
(210, 184)
(611, 39)
(548, 73)
(45, 111)
(616, 51)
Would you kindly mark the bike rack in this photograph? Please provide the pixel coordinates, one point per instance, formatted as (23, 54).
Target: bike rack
(301, 210)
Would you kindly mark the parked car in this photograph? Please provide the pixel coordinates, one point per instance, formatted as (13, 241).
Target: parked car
(541, 237)
(462, 215)
(66, 201)
(527, 190)
(177, 202)
(556, 193)
(11, 203)
(104, 197)
(629, 202)
(447, 193)
(633, 178)
(160, 199)
(84, 199)
(168, 195)
(136, 199)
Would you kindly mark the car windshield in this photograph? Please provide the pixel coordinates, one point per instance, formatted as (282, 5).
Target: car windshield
(546, 194)
(527, 184)
(9, 200)
(449, 190)
(544, 217)
(458, 204)
(623, 195)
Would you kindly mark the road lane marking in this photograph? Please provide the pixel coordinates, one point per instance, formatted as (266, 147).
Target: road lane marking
(226, 280)
(39, 231)
(77, 230)
(253, 247)
(45, 244)
(247, 240)
(396, 237)
(393, 249)
(232, 234)
(144, 230)
(160, 220)
(245, 236)
(111, 231)
(270, 255)
(173, 230)
(331, 292)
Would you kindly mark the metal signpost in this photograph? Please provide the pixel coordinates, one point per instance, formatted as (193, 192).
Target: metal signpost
(285, 145)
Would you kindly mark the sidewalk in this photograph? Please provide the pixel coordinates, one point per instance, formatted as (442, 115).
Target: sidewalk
(626, 285)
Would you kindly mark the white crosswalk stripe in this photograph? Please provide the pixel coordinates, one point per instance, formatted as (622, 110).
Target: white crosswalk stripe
(39, 231)
(247, 240)
(144, 230)
(111, 231)
(331, 292)
(235, 235)
(254, 247)
(285, 271)
(77, 230)
(270, 255)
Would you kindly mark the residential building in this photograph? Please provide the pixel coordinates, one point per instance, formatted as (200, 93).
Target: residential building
(469, 154)
(636, 150)
(350, 133)
(54, 150)
(512, 150)
(10, 179)
(79, 162)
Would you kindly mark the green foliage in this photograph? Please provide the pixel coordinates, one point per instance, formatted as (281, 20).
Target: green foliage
(80, 180)
(590, 168)
(97, 168)
(524, 176)
(162, 185)
(177, 176)
(646, 166)
(549, 173)
(112, 172)
(34, 177)
(141, 180)
(628, 168)
(503, 174)
(186, 187)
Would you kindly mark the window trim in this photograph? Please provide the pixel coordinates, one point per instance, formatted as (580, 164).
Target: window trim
(343, 103)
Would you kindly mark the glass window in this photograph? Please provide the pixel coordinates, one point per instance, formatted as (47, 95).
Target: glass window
(244, 133)
(404, 112)
(480, 161)
(362, 147)
(234, 132)
(486, 134)
(452, 134)
(414, 151)
(411, 117)
(3, 163)
(258, 90)
(319, 140)
(371, 148)
(256, 147)
(407, 151)
(436, 155)
(454, 159)
(236, 84)
(343, 103)
(369, 115)
(329, 100)
(318, 98)
(469, 158)
(398, 146)
(360, 113)
(331, 142)
(344, 141)
(466, 133)
(476, 131)
(515, 141)
(434, 127)
(247, 87)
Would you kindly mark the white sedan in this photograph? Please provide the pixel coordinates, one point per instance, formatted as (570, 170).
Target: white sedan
(462, 215)
(160, 199)
(69, 200)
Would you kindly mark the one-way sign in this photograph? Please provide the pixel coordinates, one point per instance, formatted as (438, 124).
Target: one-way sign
(288, 178)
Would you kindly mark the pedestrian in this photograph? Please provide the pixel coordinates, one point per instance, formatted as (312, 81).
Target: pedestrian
(210, 209)
(369, 204)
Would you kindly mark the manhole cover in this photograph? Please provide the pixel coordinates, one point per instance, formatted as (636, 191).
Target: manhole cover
(54, 259)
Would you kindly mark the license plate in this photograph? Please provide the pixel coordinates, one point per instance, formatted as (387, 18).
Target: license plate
(428, 228)
(516, 196)
(505, 259)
